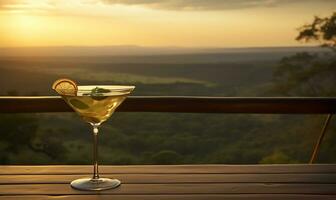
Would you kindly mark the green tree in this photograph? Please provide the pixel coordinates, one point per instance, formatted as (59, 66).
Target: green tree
(20, 139)
(277, 157)
(166, 157)
(310, 74)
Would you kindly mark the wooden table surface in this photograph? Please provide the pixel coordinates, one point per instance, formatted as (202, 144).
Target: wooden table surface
(192, 182)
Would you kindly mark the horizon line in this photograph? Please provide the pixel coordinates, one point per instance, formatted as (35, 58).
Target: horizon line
(159, 46)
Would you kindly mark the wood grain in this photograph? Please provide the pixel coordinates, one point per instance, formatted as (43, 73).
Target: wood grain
(176, 178)
(175, 197)
(146, 189)
(171, 169)
(300, 181)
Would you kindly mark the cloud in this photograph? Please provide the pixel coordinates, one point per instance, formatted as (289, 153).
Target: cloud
(206, 4)
(42, 6)
(6, 3)
(25, 5)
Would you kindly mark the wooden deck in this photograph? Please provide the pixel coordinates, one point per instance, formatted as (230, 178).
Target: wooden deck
(192, 182)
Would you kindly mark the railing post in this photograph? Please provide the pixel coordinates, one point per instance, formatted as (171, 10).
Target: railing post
(319, 140)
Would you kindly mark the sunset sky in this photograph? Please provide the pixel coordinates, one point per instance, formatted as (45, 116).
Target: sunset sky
(187, 23)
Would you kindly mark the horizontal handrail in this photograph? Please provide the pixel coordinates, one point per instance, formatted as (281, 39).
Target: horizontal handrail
(184, 104)
(188, 104)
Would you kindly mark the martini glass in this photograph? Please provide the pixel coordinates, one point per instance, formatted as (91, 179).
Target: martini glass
(95, 104)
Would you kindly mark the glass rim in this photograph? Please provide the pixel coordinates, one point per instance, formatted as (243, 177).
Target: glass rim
(108, 90)
(81, 88)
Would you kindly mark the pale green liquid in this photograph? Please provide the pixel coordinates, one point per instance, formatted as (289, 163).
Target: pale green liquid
(94, 109)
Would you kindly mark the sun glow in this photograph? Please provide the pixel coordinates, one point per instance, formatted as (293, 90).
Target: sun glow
(91, 22)
(23, 28)
(25, 22)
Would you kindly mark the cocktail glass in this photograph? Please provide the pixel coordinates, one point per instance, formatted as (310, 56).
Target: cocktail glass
(95, 104)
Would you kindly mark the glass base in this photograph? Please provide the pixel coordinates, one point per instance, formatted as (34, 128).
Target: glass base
(95, 184)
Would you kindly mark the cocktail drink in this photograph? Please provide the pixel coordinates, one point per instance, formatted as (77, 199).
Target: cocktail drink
(94, 104)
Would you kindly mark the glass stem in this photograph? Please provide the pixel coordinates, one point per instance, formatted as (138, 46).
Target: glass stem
(95, 152)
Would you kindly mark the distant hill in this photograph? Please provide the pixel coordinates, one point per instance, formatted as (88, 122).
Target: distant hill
(128, 50)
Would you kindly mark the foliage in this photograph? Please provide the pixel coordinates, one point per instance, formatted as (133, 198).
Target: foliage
(308, 74)
(161, 138)
(322, 30)
(21, 136)
(277, 157)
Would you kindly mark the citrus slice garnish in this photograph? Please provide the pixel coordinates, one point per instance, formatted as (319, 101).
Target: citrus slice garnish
(65, 86)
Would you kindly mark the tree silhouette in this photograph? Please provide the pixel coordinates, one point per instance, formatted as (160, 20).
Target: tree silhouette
(322, 30)
(310, 74)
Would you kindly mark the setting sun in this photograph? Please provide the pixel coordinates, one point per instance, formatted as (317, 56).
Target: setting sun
(95, 23)
(167, 99)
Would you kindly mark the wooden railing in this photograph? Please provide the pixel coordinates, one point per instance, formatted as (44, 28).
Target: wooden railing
(266, 105)
(257, 105)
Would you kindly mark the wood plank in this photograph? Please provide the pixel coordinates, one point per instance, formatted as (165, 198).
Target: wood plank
(176, 197)
(171, 169)
(187, 104)
(146, 189)
(176, 178)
